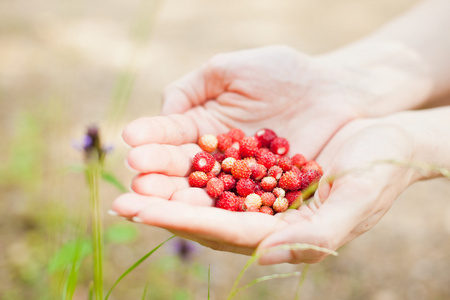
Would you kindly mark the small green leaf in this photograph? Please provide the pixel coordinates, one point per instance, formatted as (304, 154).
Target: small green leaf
(121, 233)
(136, 264)
(111, 179)
(72, 251)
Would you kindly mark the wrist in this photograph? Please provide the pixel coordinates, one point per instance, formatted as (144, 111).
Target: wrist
(381, 77)
(428, 131)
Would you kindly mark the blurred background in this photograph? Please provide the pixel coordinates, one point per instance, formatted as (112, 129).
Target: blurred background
(66, 65)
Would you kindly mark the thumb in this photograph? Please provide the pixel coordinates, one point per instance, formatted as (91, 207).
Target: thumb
(327, 223)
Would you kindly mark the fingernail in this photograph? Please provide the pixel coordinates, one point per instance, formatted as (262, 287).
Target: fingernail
(113, 213)
(127, 165)
(136, 220)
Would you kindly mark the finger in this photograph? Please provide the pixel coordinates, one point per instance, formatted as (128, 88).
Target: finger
(327, 223)
(166, 159)
(242, 229)
(158, 185)
(171, 129)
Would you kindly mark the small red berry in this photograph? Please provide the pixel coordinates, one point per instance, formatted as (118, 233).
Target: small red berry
(214, 187)
(245, 186)
(236, 134)
(289, 181)
(268, 183)
(266, 158)
(232, 152)
(198, 179)
(228, 201)
(258, 171)
(265, 136)
(224, 141)
(275, 172)
(279, 145)
(309, 177)
(298, 160)
(285, 163)
(268, 198)
(266, 210)
(292, 196)
(203, 161)
(312, 165)
(240, 169)
(219, 156)
(228, 181)
(248, 146)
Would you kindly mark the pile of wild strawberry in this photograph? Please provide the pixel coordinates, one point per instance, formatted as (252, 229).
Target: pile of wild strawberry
(251, 173)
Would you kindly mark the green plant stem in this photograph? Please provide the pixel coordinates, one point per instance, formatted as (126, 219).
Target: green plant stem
(93, 176)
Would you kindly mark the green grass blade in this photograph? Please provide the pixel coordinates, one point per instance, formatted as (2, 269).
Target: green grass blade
(301, 281)
(111, 179)
(145, 291)
(209, 281)
(265, 278)
(136, 264)
(256, 256)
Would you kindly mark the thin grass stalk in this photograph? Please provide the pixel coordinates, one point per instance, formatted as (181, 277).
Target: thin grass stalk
(93, 176)
(301, 281)
(256, 256)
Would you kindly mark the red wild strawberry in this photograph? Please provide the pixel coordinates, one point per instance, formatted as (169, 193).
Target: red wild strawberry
(267, 198)
(224, 141)
(258, 171)
(228, 201)
(203, 161)
(268, 183)
(265, 136)
(240, 169)
(309, 177)
(289, 181)
(245, 186)
(228, 181)
(236, 134)
(240, 203)
(232, 152)
(198, 179)
(266, 210)
(211, 175)
(219, 156)
(248, 146)
(214, 187)
(292, 196)
(258, 189)
(285, 163)
(275, 172)
(266, 158)
(312, 165)
(251, 209)
(298, 160)
(280, 146)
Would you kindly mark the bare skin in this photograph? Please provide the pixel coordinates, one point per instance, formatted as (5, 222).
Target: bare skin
(341, 109)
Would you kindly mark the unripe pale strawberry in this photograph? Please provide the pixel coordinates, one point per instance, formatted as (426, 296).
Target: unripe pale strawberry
(227, 164)
(268, 183)
(208, 142)
(280, 205)
(279, 192)
(252, 200)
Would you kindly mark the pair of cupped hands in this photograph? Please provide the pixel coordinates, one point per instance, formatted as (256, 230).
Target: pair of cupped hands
(320, 108)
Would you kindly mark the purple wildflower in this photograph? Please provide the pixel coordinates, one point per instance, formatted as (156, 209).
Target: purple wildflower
(91, 145)
(184, 249)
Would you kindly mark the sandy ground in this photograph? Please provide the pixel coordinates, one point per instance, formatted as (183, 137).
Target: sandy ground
(63, 58)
